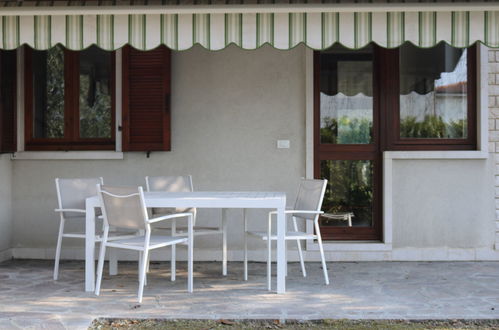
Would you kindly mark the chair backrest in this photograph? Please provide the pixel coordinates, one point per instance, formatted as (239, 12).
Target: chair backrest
(123, 207)
(71, 193)
(169, 183)
(310, 196)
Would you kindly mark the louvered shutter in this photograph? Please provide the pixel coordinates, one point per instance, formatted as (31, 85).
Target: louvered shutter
(8, 101)
(146, 99)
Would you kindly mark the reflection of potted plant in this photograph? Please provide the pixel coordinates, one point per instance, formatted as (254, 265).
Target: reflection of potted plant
(346, 130)
(432, 127)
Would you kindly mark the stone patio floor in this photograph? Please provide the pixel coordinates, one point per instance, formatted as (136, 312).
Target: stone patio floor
(29, 298)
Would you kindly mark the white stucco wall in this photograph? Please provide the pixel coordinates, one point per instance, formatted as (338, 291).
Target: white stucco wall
(228, 110)
(443, 203)
(5, 205)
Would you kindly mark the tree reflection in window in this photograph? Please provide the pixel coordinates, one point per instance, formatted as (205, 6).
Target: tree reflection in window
(349, 189)
(95, 93)
(48, 96)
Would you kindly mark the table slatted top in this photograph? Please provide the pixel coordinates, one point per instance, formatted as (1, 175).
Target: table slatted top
(216, 194)
(212, 199)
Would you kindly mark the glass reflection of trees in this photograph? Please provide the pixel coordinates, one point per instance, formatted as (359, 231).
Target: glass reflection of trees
(94, 95)
(349, 189)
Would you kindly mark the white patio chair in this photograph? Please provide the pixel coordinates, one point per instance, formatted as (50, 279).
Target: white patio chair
(124, 207)
(71, 195)
(176, 184)
(307, 207)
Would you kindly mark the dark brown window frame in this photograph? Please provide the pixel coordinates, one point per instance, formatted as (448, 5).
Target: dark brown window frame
(71, 139)
(352, 152)
(392, 109)
(386, 118)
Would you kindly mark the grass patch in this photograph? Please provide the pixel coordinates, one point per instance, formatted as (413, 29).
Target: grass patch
(157, 324)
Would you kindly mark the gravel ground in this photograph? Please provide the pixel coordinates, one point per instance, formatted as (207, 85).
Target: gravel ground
(109, 324)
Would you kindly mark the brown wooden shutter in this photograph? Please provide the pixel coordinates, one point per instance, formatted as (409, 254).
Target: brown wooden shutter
(8, 101)
(146, 99)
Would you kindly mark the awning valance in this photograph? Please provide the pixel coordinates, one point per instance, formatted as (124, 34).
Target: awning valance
(146, 25)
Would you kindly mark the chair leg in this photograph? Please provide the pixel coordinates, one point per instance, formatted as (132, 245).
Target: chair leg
(100, 265)
(321, 249)
(58, 250)
(173, 265)
(269, 254)
(245, 246)
(139, 267)
(300, 253)
(173, 268)
(148, 263)
(286, 258)
(190, 266)
(142, 273)
(302, 263)
(224, 242)
(269, 264)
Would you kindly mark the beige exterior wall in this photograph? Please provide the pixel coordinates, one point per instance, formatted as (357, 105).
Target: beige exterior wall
(5, 205)
(228, 110)
(443, 204)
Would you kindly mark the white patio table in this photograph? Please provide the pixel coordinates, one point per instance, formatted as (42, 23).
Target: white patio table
(199, 199)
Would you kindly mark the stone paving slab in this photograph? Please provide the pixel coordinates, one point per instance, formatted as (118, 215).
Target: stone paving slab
(30, 299)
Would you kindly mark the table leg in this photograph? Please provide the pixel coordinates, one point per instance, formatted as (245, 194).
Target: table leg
(281, 248)
(245, 229)
(224, 242)
(89, 247)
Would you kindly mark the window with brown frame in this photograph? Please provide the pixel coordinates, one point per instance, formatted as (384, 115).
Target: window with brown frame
(7, 100)
(372, 100)
(431, 98)
(69, 99)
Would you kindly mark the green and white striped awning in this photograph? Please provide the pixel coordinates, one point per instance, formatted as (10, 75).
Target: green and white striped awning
(249, 25)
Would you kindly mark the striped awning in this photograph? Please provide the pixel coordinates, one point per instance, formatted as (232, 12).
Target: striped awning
(146, 24)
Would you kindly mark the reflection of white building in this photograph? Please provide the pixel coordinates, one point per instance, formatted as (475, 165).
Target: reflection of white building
(447, 99)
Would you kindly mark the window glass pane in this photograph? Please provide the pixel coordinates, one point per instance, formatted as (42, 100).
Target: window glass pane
(7, 87)
(433, 92)
(48, 93)
(349, 190)
(346, 101)
(95, 93)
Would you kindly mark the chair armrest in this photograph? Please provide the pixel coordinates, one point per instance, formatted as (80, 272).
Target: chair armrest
(298, 211)
(170, 217)
(70, 210)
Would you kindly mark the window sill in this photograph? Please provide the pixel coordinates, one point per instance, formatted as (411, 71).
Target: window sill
(66, 155)
(387, 155)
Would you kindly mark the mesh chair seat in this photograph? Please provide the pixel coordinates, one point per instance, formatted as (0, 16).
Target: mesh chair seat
(155, 241)
(198, 230)
(290, 235)
(159, 211)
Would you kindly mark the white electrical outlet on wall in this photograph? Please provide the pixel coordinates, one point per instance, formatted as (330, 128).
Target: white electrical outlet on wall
(283, 144)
